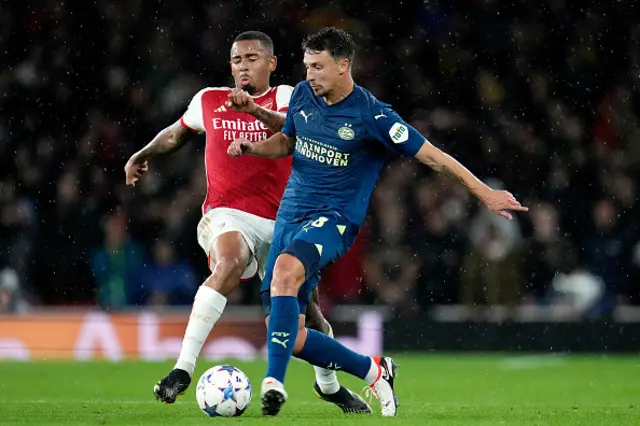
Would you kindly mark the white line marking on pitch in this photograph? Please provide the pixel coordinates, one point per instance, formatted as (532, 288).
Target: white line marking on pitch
(531, 362)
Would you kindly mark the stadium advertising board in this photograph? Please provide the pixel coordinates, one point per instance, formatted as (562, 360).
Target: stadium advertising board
(152, 337)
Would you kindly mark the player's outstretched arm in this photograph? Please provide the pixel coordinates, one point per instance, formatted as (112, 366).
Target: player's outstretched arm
(240, 101)
(497, 201)
(277, 146)
(167, 141)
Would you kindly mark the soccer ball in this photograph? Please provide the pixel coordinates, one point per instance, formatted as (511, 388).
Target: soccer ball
(224, 391)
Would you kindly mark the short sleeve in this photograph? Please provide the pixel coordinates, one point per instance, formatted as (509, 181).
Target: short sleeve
(396, 134)
(289, 127)
(283, 96)
(192, 119)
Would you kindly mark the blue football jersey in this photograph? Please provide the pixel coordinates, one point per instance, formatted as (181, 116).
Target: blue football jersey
(339, 152)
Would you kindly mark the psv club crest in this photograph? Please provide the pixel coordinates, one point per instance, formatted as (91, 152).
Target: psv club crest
(346, 132)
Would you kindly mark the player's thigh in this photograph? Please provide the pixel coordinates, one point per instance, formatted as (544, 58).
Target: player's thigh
(227, 233)
(230, 246)
(321, 241)
(315, 243)
(262, 230)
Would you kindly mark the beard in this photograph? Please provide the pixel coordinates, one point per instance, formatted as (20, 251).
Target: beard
(249, 88)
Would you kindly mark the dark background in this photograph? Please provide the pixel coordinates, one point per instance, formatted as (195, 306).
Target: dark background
(539, 98)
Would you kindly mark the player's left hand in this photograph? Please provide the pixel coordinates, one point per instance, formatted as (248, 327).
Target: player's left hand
(239, 147)
(240, 101)
(134, 170)
(499, 201)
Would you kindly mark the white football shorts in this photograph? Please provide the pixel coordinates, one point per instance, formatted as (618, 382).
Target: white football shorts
(257, 232)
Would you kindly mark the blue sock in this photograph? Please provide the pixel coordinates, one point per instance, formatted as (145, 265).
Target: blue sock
(326, 352)
(281, 335)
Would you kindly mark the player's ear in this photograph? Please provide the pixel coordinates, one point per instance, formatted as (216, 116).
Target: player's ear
(343, 65)
(273, 63)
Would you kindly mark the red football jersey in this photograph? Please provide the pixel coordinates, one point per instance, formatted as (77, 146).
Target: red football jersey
(251, 184)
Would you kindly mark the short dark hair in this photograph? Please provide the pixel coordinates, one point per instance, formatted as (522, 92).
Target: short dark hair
(337, 42)
(264, 39)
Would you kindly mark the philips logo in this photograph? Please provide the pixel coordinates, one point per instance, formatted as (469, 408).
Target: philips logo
(399, 133)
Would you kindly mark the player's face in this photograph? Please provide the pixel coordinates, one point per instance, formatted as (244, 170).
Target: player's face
(324, 71)
(251, 65)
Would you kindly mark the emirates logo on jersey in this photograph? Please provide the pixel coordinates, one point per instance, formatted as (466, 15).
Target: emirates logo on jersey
(254, 130)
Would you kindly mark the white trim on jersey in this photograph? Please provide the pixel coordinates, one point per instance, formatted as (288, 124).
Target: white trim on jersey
(193, 117)
(261, 94)
(283, 96)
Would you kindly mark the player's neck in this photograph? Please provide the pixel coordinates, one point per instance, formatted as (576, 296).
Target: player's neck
(340, 91)
(260, 91)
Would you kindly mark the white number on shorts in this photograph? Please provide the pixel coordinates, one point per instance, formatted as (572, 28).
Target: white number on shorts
(319, 222)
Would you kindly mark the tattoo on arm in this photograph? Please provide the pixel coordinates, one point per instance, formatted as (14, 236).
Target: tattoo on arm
(273, 120)
(167, 141)
(452, 175)
(446, 165)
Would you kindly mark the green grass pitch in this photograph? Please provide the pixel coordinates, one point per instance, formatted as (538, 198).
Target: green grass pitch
(442, 389)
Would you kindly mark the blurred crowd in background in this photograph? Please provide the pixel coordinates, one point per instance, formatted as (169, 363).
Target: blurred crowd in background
(541, 99)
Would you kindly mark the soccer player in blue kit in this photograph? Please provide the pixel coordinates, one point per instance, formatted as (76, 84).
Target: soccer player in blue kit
(340, 136)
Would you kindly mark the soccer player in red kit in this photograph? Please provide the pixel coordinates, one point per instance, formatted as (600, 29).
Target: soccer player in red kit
(242, 200)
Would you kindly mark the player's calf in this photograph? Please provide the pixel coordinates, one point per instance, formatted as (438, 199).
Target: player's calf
(229, 257)
(208, 305)
(379, 373)
(314, 318)
(326, 385)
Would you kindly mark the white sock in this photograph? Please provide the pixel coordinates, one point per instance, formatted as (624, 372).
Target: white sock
(327, 379)
(208, 305)
(374, 373)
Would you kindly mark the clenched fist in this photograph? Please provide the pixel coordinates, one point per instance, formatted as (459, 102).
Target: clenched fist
(240, 101)
(239, 147)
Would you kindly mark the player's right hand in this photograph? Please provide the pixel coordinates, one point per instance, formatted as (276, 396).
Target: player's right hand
(239, 147)
(240, 101)
(134, 169)
(500, 201)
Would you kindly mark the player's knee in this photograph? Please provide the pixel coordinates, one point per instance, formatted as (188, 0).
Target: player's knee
(288, 276)
(226, 274)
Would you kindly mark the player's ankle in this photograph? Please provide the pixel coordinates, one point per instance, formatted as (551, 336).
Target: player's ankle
(375, 371)
(329, 388)
(327, 380)
(186, 366)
